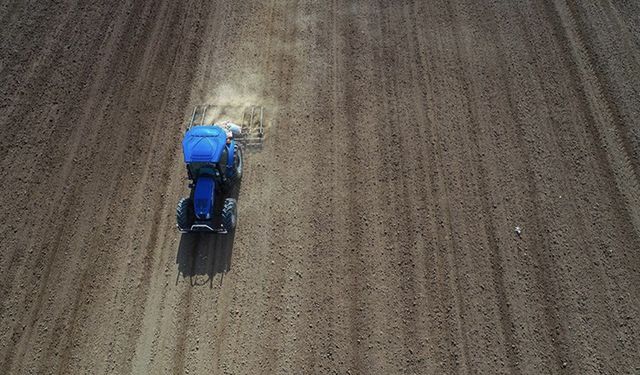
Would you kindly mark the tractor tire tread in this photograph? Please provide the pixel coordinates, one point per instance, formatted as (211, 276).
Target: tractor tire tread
(183, 214)
(230, 214)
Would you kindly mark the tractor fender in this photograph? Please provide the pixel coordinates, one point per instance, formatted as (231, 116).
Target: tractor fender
(231, 148)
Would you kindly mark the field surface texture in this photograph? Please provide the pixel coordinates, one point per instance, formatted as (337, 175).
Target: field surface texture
(405, 142)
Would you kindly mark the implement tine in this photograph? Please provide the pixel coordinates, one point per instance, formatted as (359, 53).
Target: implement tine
(244, 118)
(193, 117)
(214, 112)
(204, 115)
(253, 108)
(261, 128)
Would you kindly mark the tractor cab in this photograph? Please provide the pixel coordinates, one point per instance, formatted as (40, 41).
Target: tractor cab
(204, 144)
(207, 152)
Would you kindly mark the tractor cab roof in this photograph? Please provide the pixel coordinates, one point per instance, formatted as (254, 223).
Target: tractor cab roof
(203, 144)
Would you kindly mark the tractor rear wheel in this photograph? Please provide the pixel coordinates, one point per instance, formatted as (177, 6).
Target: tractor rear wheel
(230, 214)
(184, 214)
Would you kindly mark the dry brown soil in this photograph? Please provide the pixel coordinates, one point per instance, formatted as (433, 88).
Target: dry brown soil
(406, 141)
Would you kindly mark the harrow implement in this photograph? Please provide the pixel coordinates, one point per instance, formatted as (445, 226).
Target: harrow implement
(251, 120)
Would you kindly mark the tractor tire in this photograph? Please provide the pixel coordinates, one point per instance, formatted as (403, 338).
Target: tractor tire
(238, 160)
(184, 214)
(230, 214)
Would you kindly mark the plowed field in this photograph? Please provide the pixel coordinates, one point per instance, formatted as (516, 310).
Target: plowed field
(406, 141)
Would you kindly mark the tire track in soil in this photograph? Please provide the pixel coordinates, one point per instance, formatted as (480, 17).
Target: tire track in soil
(569, 190)
(320, 312)
(602, 119)
(605, 77)
(497, 260)
(457, 353)
(538, 243)
(185, 320)
(382, 344)
(611, 198)
(412, 175)
(288, 188)
(344, 131)
(423, 106)
(448, 331)
(342, 123)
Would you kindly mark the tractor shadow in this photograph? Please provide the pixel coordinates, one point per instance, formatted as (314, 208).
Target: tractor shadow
(201, 256)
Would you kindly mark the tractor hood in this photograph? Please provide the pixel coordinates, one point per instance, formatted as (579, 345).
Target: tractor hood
(203, 144)
(203, 198)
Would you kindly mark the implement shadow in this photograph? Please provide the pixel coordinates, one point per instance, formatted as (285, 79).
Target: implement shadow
(201, 256)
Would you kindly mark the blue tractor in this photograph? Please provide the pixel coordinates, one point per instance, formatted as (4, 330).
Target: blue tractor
(214, 160)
